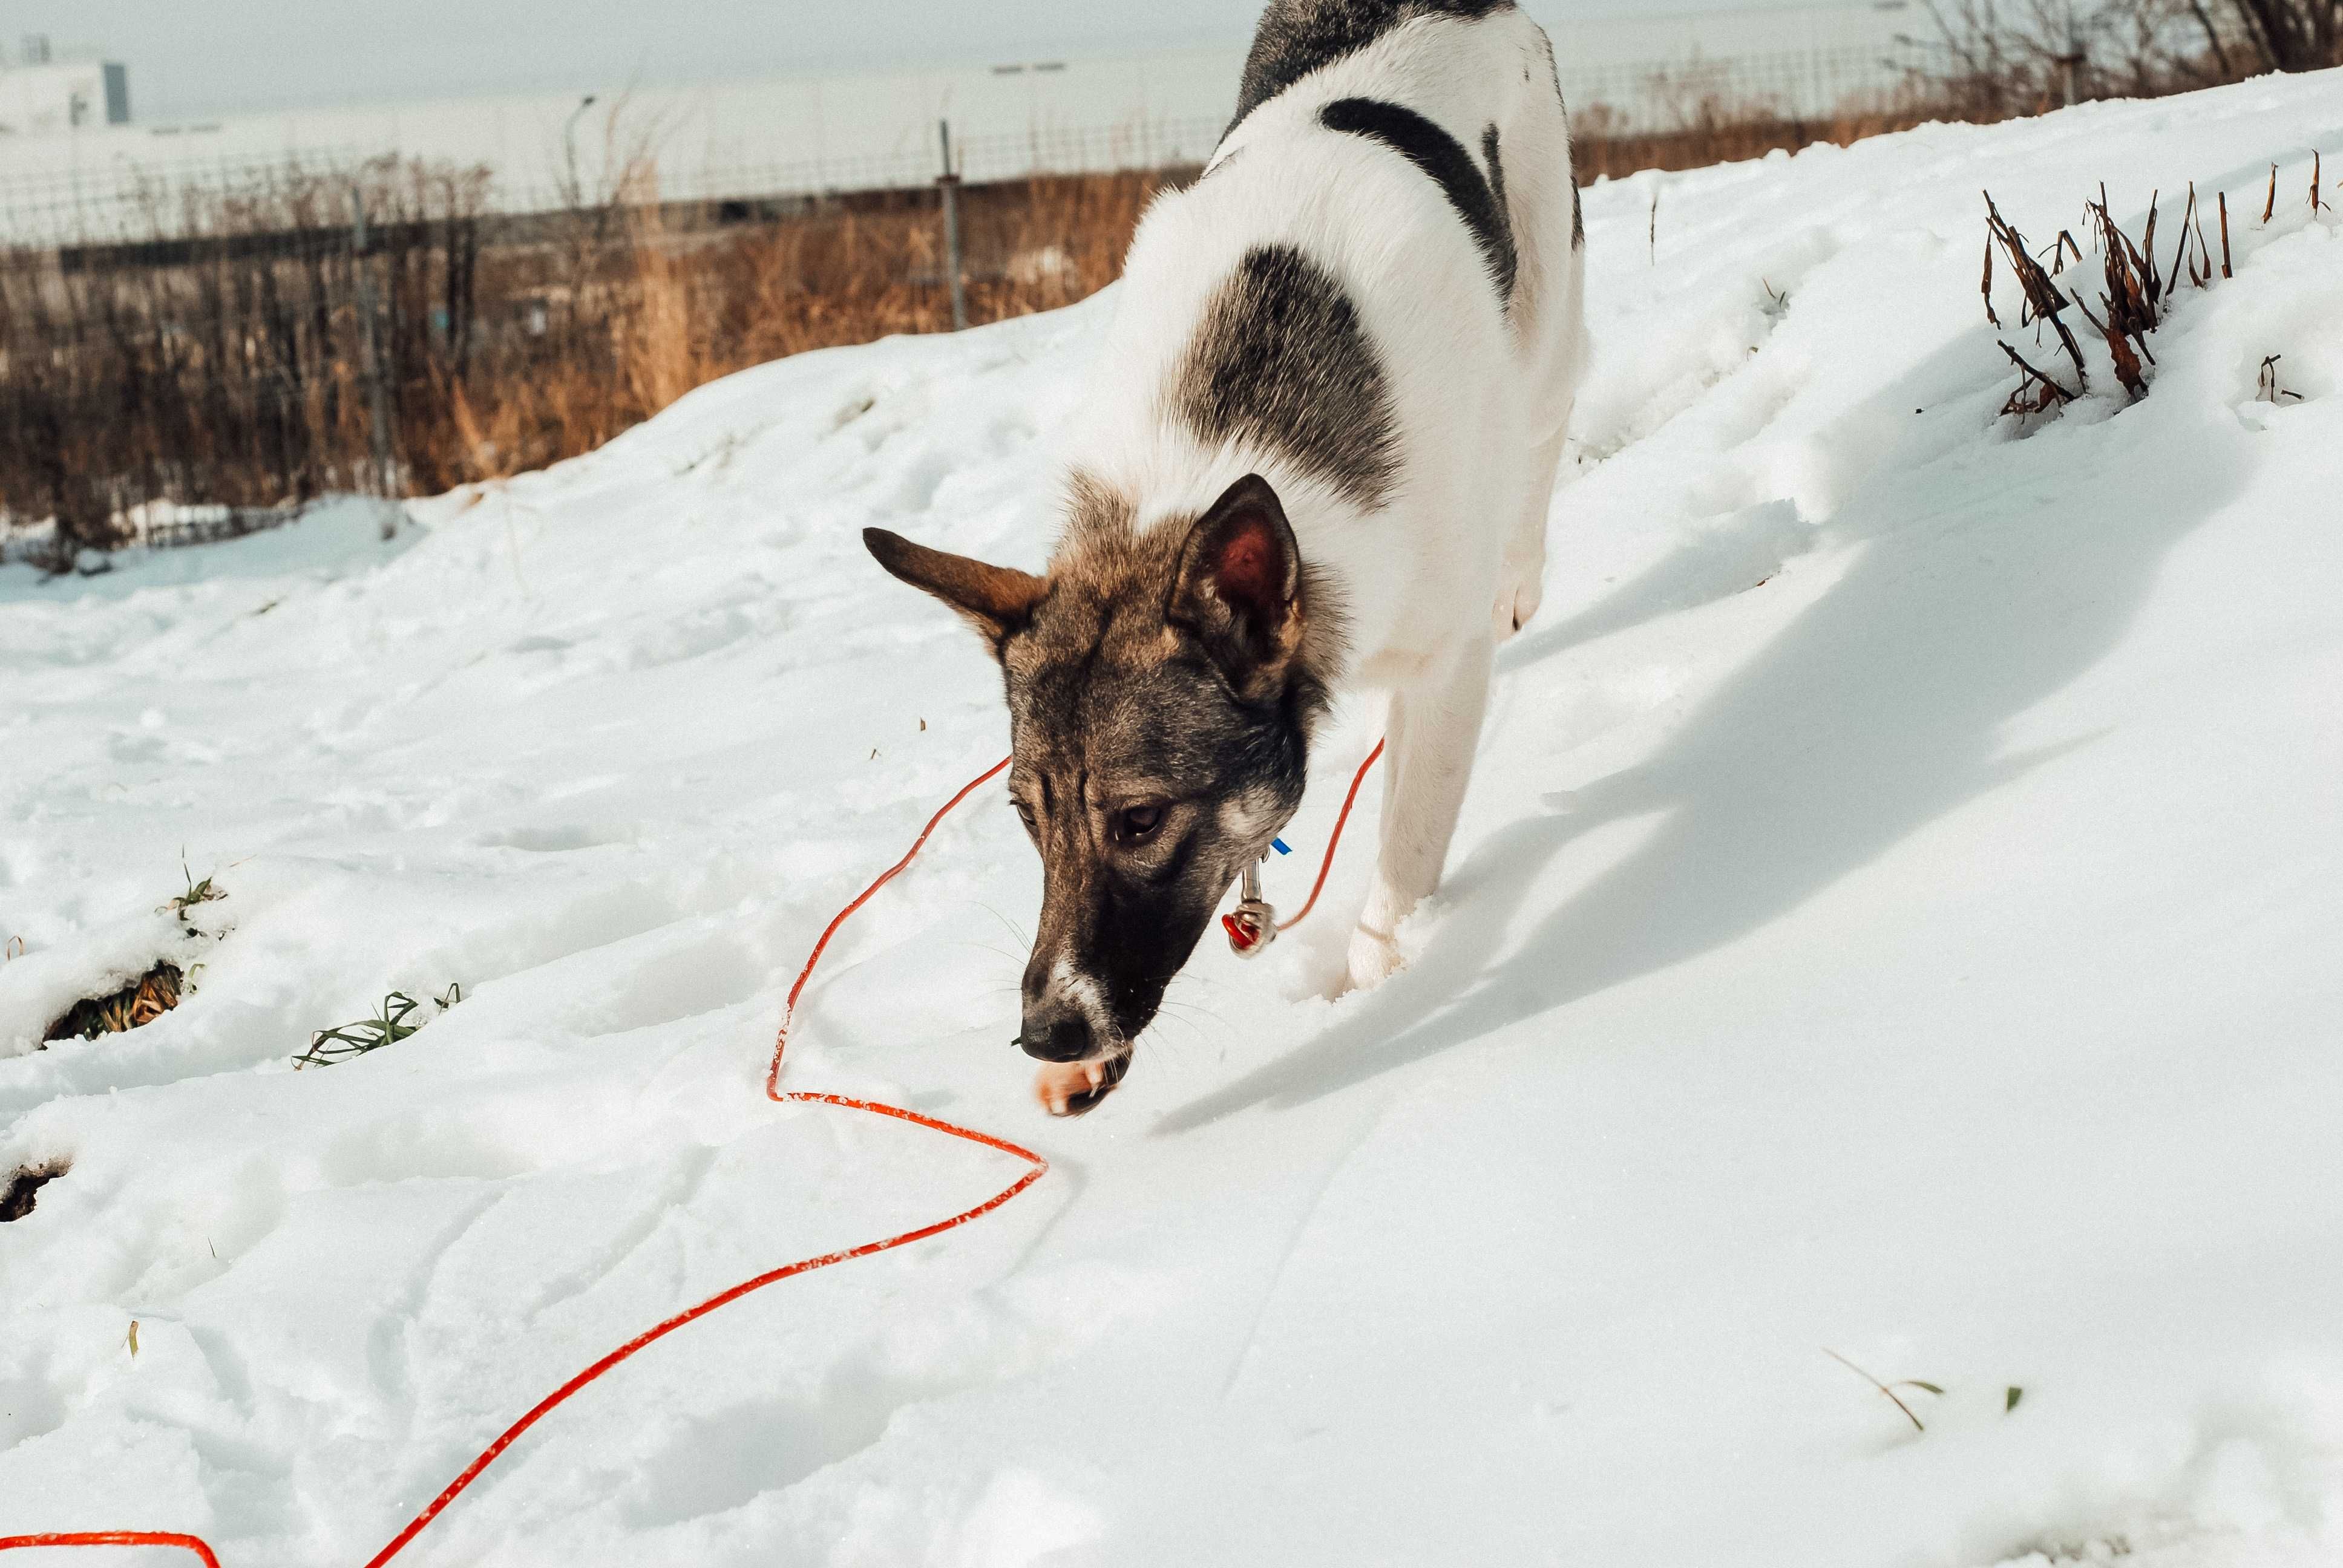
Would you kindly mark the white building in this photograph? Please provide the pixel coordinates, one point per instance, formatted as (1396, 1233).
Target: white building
(792, 135)
(40, 97)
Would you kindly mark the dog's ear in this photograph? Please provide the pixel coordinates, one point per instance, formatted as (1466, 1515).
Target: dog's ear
(996, 600)
(1240, 586)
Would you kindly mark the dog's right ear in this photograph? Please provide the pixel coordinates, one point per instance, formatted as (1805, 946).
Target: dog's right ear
(996, 600)
(1240, 586)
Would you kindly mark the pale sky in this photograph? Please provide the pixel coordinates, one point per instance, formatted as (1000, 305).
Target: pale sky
(190, 57)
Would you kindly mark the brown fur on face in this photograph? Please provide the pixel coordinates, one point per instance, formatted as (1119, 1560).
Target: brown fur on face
(1161, 685)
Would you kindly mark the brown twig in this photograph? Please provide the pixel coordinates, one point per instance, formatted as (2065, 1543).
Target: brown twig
(2044, 302)
(2131, 298)
(1875, 1383)
(2181, 256)
(2265, 384)
(2058, 249)
(2269, 208)
(2050, 395)
(2316, 204)
(2225, 234)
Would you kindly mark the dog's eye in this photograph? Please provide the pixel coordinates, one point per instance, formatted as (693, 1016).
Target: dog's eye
(1134, 824)
(1025, 815)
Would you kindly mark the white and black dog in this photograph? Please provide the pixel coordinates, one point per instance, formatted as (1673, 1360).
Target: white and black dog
(1317, 452)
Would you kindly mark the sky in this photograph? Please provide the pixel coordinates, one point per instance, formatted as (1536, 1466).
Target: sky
(232, 54)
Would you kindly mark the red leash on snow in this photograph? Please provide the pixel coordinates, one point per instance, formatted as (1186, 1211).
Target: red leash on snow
(1036, 1167)
(193, 1543)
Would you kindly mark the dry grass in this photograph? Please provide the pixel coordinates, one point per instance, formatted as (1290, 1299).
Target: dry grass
(1714, 133)
(682, 307)
(134, 1006)
(236, 368)
(2135, 292)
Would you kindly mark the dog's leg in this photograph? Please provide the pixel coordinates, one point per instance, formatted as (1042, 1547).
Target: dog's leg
(1521, 585)
(1436, 720)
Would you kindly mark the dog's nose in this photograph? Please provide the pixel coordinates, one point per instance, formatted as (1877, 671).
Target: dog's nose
(1052, 1035)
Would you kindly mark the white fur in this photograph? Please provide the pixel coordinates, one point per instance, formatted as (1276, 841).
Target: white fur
(1449, 567)
(1084, 994)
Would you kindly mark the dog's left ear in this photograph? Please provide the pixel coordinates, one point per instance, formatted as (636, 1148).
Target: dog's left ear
(1240, 586)
(996, 600)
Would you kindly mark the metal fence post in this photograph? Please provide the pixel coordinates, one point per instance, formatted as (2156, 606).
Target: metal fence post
(386, 469)
(949, 184)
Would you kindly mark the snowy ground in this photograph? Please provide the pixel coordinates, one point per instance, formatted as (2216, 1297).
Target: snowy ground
(1897, 912)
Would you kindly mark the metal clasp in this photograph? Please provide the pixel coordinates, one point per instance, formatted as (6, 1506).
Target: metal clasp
(1252, 926)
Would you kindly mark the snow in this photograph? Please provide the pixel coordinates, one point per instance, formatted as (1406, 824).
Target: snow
(1896, 913)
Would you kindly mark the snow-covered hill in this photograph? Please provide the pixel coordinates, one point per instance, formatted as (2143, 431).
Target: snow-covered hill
(1898, 913)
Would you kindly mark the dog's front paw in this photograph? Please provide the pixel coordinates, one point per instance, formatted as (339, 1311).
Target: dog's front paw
(1374, 955)
(1077, 1088)
(1517, 601)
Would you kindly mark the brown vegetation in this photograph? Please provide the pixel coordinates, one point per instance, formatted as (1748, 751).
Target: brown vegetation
(238, 366)
(2136, 294)
(1998, 57)
(19, 1192)
(134, 1006)
(1713, 133)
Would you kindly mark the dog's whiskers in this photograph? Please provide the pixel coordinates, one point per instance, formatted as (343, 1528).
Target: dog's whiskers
(1015, 935)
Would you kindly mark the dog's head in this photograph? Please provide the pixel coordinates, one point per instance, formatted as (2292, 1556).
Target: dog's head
(1159, 699)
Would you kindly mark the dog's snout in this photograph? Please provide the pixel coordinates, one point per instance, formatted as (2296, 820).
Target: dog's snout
(1061, 1020)
(1056, 1034)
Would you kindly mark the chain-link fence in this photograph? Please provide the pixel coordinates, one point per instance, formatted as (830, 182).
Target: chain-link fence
(122, 199)
(674, 149)
(262, 353)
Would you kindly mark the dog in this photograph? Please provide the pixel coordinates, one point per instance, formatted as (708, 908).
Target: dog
(1317, 453)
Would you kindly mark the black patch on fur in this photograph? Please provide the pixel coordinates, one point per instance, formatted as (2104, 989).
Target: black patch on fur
(1577, 219)
(1495, 160)
(1281, 359)
(1297, 36)
(1477, 201)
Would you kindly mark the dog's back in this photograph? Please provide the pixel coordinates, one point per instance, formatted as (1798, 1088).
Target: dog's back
(1373, 290)
(1480, 71)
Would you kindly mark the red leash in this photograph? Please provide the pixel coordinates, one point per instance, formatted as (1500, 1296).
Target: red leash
(193, 1543)
(1036, 1167)
(1341, 821)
